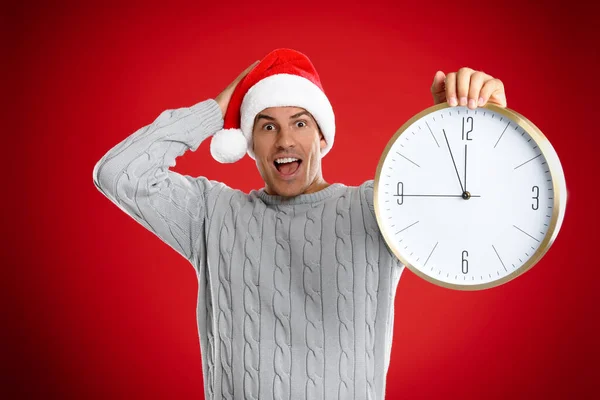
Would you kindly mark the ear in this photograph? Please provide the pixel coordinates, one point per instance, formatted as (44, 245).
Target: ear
(323, 143)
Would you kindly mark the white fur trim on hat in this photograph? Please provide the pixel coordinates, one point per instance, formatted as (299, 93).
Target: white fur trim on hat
(283, 90)
(228, 145)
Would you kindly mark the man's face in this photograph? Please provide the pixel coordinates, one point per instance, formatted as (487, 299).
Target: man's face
(287, 145)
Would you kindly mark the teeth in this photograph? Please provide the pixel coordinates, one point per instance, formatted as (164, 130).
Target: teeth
(285, 160)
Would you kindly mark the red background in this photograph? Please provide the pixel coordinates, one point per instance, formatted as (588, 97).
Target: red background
(98, 307)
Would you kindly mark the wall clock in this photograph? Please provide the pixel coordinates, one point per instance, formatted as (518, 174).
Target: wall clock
(469, 199)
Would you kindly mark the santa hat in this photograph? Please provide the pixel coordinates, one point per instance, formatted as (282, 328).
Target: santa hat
(283, 78)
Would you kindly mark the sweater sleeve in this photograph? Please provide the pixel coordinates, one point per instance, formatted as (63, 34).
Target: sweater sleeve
(135, 175)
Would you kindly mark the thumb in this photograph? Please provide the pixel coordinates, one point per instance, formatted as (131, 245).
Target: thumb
(438, 84)
(438, 87)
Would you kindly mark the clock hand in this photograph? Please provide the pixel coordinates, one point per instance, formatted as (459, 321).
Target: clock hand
(439, 195)
(453, 163)
(465, 167)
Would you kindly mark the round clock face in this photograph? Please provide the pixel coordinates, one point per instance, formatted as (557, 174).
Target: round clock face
(469, 199)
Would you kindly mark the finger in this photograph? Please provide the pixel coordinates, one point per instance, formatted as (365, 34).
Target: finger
(493, 91)
(438, 87)
(241, 76)
(463, 78)
(477, 80)
(451, 89)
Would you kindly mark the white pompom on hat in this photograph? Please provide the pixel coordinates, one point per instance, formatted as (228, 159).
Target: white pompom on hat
(283, 78)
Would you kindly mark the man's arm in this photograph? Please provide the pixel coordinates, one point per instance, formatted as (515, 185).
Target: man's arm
(135, 175)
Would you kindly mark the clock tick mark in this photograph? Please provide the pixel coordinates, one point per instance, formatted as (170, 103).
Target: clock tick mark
(430, 254)
(432, 135)
(495, 251)
(531, 159)
(407, 227)
(406, 158)
(501, 134)
(526, 233)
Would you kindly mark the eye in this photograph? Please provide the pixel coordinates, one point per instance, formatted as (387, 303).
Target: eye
(300, 124)
(269, 127)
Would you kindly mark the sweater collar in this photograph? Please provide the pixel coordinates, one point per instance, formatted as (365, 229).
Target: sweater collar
(329, 191)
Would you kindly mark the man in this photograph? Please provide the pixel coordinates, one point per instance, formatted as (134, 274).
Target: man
(296, 284)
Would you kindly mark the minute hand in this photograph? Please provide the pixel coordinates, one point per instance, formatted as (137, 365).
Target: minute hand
(453, 163)
(438, 195)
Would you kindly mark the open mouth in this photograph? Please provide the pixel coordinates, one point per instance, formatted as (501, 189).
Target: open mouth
(287, 165)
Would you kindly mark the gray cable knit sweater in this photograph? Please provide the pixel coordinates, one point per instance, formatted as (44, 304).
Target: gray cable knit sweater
(295, 297)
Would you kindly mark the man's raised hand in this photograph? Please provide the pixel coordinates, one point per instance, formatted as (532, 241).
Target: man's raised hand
(223, 98)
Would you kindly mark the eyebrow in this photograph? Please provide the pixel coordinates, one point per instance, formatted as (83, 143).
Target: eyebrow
(259, 116)
(299, 114)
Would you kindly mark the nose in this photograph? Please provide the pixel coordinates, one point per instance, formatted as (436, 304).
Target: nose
(285, 139)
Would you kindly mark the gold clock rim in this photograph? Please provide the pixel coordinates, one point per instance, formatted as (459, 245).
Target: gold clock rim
(558, 186)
